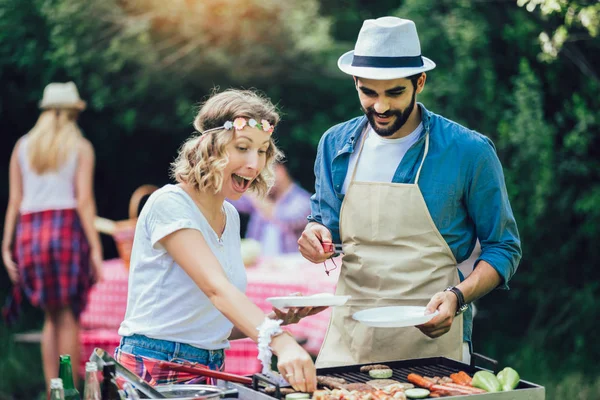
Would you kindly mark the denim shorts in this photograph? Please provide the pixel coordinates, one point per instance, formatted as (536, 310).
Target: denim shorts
(166, 350)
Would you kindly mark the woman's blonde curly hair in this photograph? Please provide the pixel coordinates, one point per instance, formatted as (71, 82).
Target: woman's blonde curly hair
(203, 158)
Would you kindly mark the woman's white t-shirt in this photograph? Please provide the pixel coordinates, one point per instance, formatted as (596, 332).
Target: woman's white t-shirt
(163, 302)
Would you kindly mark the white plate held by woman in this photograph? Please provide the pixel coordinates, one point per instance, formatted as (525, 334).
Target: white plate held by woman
(316, 300)
(393, 317)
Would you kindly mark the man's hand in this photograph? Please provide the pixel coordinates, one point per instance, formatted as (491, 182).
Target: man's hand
(310, 243)
(446, 304)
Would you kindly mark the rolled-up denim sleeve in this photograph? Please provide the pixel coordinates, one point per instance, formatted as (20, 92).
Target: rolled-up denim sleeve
(322, 207)
(315, 210)
(489, 207)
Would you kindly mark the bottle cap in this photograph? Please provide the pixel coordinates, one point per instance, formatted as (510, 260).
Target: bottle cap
(56, 383)
(91, 366)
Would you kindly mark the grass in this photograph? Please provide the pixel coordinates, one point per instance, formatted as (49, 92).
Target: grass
(21, 373)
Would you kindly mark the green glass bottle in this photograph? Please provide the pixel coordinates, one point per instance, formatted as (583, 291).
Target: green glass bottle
(65, 372)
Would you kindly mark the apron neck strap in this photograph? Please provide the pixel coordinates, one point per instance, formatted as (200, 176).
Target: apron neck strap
(423, 159)
(364, 139)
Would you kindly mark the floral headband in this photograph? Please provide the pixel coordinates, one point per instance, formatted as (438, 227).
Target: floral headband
(240, 122)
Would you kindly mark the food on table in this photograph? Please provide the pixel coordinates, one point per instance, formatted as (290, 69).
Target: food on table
(251, 250)
(380, 373)
(417, 393)
(487, 381)
(331, 382)
(367, 368)
(508, 378)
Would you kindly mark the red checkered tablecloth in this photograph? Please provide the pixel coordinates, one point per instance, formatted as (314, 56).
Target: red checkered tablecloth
(270, 277)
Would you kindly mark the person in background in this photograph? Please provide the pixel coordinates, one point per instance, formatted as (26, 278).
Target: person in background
(187, 280)
(56, 254)
(276, 220)
(408, 193)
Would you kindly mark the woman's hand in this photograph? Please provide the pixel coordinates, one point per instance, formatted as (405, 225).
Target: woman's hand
(11, 266)
(294, 363)
(293, 315)
(96, 260)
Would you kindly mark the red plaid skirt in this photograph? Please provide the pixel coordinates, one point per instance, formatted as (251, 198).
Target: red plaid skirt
(53, 257)
(148, 369)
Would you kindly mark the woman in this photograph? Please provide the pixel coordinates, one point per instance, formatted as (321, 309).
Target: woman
(57, 251)
(187, 280)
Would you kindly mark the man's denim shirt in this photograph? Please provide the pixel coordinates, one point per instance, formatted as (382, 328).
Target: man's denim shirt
(461, 181)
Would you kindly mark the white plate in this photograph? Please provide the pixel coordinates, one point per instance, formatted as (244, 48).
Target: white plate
(393, 317)
(316, 300)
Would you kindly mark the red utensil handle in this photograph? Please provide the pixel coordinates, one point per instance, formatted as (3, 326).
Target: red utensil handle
(203, 371)
(327, 247)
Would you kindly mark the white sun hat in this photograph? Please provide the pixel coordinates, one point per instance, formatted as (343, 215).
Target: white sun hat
(386, 48)
(62, 95)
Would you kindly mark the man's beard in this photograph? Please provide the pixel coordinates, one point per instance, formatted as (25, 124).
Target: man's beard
(399, 121)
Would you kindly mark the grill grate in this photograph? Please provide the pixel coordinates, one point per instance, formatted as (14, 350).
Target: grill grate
(436, 366)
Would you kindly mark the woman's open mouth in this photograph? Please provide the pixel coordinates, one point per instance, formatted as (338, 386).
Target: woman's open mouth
(241, 183)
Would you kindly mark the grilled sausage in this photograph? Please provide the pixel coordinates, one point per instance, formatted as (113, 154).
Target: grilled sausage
(331, 382)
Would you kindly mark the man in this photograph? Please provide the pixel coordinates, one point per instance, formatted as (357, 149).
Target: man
(407, 193)
(278, 219)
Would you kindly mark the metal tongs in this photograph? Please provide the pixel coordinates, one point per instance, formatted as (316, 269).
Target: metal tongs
(101, 357)
(204, 371)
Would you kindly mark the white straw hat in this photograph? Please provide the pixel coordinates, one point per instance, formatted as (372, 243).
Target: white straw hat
(386, 48)
(62, 95)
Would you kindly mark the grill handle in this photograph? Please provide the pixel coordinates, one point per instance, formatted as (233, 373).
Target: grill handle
(479, 360)
(257, 378)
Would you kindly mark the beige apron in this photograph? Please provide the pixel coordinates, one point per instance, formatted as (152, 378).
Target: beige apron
(393, 255)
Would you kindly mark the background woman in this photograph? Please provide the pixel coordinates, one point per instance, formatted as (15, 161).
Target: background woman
(187, 280)
(56, 251)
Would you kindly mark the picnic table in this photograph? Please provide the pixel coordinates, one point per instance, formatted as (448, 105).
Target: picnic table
(268, 277)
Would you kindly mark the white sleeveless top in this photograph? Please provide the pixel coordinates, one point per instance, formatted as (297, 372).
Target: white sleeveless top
(50, 191)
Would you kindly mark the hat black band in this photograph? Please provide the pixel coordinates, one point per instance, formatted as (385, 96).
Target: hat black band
(387, 62)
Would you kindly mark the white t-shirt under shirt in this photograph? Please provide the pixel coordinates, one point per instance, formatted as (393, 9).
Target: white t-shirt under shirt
(163, 301)
(379, 158)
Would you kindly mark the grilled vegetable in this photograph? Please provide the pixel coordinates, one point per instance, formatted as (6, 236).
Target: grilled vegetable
(380, 373)
(487, 381)
(367, 368)
(416, 393)
(509, 379)
(297, 396)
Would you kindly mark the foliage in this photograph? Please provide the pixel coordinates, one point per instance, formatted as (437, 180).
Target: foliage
(144, 65)
(574, 14)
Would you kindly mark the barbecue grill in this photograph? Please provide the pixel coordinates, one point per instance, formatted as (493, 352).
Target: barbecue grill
(435, 366)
